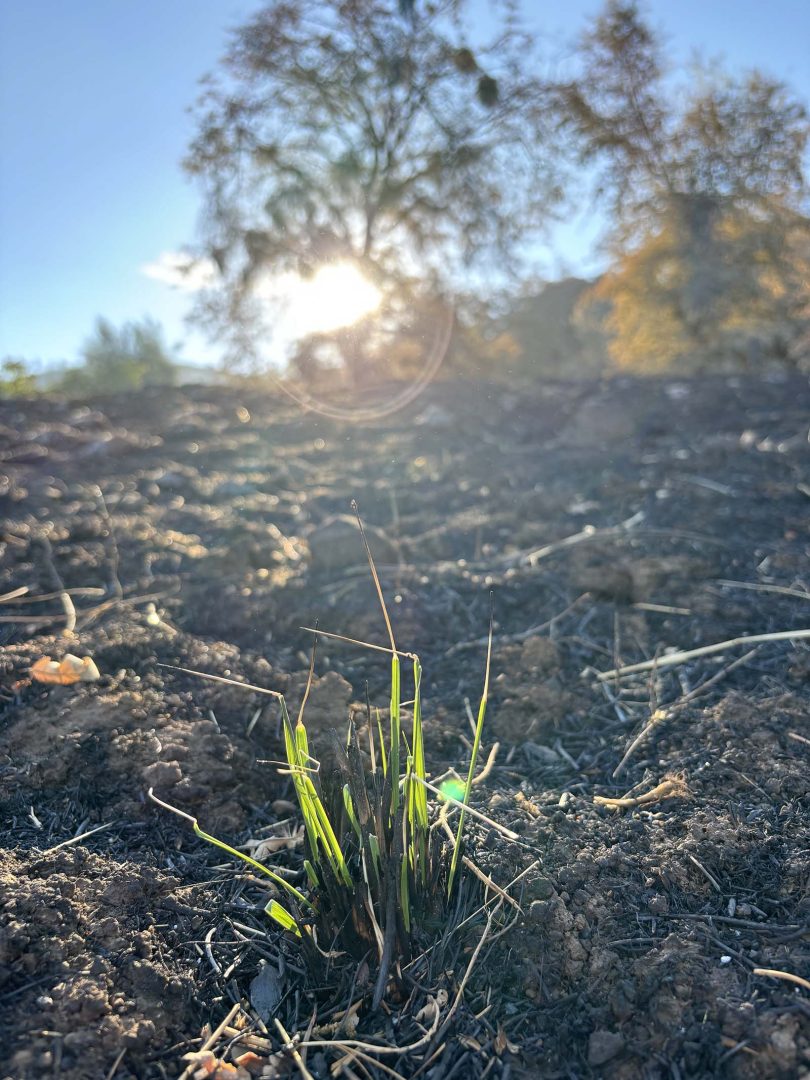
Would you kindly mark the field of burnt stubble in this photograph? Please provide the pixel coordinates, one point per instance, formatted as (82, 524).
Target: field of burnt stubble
(615, 523)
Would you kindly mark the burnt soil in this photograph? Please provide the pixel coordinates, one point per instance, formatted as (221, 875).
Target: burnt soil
(209, 523)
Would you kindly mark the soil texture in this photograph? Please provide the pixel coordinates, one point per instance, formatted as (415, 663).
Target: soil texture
(614, 523)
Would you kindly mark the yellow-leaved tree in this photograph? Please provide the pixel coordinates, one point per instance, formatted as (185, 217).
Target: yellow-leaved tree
(710, 242)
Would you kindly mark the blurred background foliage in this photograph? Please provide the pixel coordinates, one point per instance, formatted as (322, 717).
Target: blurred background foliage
(399, 140)
(378, 135)
(708, 191)
(374, 136)
(116, 359)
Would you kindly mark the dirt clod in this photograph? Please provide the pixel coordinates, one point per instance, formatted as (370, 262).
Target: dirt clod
(603, 1046)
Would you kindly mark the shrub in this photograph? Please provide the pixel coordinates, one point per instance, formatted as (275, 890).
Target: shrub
(15, 379)
(122, 359)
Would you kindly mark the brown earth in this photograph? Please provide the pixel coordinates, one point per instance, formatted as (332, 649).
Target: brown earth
(611, 521)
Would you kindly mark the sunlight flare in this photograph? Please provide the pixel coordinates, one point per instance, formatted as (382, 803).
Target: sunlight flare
(337, 295)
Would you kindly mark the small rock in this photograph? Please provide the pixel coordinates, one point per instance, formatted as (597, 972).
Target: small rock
(265, 992)
(602, 1046)
(336, 545)
(540, 911)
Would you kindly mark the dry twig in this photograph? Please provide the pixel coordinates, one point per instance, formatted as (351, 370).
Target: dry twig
(290, 1046)
(210, 1041)
(677, 658)
(64, 595)
(671, 788)
(587, 534)
(475, 813)
(755, 586)
(788, 976)
(660, 715)
(76, 839)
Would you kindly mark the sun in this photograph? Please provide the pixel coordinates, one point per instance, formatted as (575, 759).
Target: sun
(335, 296)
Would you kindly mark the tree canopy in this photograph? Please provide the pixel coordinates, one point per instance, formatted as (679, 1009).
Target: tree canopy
(372, 133)
(707, 186)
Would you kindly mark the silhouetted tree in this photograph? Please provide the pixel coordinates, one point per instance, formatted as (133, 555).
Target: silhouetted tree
(369, 132)
(709, 196)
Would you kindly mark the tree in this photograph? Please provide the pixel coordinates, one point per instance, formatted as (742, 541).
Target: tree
(709, 195)
(15, 379)
(736, 297)
(370, 133)
(126, 358)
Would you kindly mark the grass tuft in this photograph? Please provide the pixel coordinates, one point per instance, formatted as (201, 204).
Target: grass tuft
(379, 880)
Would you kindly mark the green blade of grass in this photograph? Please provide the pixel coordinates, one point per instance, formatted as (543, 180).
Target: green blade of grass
(482, 709)
(325, 840)
(393, 752)
(383, 756)
(419, 811)
(420, 794)
(371, 751)
(282, 917)
(296, 767)
(301, 744)
(311, 807)
(327, 833)
(355, 824)
(319, 830)
(276, 878)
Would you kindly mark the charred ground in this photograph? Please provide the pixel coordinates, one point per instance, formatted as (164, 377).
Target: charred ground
(211, 523)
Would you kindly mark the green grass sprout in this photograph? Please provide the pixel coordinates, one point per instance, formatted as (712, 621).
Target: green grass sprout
(382, 745)
(276, 878)
(282, 917)
(479, 727)
(378, 876)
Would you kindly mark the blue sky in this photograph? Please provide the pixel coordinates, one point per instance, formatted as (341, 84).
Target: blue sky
(93, 124)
